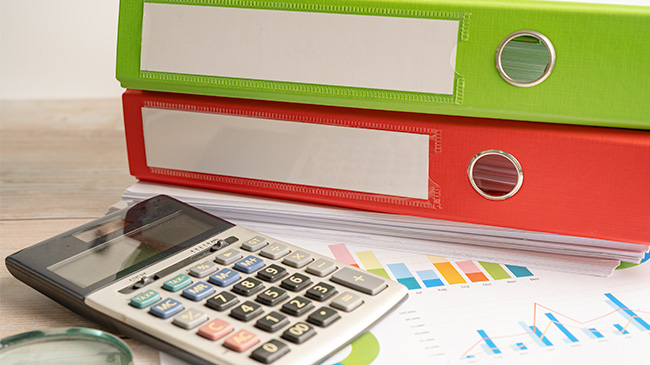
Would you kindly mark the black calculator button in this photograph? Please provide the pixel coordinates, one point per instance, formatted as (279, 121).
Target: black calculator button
(246, 311)
(270, 351)
(299, 333)
(248, 287)
(272, 296)
(323, 317)
(321, 292)
(272, 322)
(296, 282)
(297, 306)
(222, 301)
(272, 273)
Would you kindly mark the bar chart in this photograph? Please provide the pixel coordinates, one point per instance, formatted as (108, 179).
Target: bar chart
(428, 271)
(553, 329)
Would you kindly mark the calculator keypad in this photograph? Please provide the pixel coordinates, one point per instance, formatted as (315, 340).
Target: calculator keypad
(243, 294)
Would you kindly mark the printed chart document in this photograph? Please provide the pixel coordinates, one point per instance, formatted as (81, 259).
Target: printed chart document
(471, 312)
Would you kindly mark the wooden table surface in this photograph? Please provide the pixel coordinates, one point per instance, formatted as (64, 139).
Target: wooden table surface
(62, 163)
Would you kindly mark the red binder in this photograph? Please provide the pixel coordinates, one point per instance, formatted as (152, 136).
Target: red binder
(572, 180)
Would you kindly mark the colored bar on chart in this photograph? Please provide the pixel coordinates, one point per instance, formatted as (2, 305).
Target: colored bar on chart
(596, 333)
(474, 274)
(342, 254)
(541, 336)
(561, 327)
(495, 270)
(429, 278)
(404, 276)
(370, 262)
(621, 330)
(536, 334)
(628, 314)
(488, 341)
(446, 269)
(519, 271)
(593, 333)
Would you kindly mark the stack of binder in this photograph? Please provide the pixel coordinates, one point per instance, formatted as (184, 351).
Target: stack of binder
(508, 115)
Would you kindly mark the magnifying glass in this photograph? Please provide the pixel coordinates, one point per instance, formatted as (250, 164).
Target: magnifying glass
(64, 346)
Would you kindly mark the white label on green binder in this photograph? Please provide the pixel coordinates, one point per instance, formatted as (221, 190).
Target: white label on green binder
(356, 159)
(377, 52)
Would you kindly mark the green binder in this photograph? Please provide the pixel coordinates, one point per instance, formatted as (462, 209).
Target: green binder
(544, 61)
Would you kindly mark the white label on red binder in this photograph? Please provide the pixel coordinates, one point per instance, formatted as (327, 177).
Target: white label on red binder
(327, 156)
(377, 52)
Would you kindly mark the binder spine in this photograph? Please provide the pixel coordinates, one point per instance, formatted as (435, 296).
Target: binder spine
(439, 56)
(570, 180)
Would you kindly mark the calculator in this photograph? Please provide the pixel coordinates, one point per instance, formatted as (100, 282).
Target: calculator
(206, 290)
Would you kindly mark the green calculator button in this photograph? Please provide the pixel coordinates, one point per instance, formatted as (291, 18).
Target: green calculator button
(145, 299)
(177, 282)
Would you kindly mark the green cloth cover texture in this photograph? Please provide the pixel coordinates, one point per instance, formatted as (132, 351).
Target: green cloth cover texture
(601, 75)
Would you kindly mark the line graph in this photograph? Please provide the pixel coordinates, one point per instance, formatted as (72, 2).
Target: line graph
(569, 329)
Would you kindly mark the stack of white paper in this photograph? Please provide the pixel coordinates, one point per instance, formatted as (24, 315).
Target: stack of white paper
(294, 220)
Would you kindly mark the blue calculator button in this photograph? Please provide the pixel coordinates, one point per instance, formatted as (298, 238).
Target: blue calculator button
(166, 308)
(198, 291)
(249, 264)
(224, 277)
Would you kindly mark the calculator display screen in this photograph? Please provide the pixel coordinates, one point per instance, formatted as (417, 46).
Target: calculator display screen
(114, 253)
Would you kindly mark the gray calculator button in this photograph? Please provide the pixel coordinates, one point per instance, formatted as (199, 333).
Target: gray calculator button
(254, 243)
(321, 267)
(274, 251)
(347, 301)
(359, 280)
(203, 269)
(190, 318)
(298, 259)
(228, 257)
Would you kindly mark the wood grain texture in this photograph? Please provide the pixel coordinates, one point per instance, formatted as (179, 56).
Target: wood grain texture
(62, 163)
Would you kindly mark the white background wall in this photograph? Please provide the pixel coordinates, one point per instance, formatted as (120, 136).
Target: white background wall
(58, 49)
